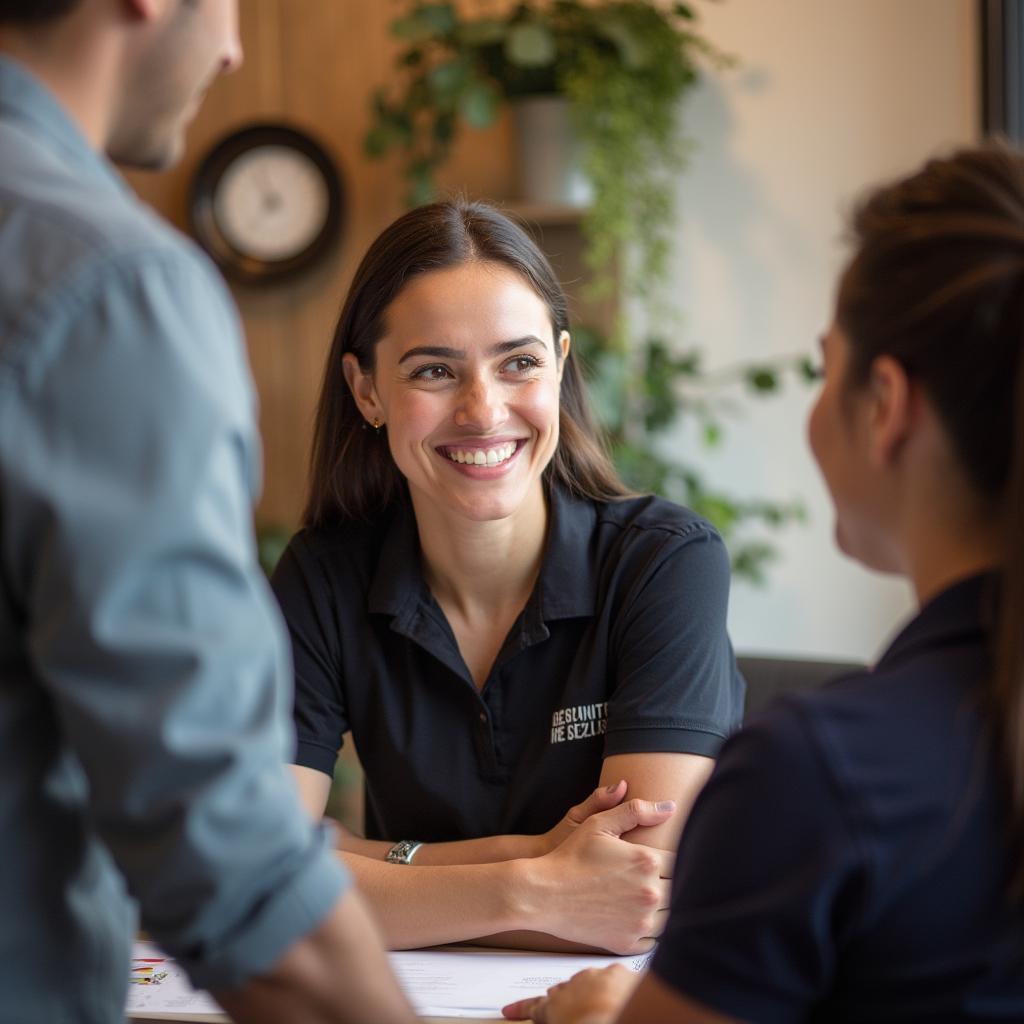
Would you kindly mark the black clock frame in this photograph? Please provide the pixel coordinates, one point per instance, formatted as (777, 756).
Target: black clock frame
(241, 266)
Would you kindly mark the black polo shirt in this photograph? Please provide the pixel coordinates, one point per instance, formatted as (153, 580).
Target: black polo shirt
(848, 860)
(621, 648)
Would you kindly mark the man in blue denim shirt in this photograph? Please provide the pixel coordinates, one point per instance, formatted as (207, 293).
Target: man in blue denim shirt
(144, 681)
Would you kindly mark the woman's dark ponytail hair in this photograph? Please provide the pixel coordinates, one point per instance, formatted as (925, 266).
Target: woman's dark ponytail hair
(937, 282)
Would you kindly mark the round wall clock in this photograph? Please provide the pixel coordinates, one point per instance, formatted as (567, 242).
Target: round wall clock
(266, 202)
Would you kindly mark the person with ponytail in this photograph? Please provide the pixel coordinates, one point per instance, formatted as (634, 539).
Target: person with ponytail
(497, 621)
(858, 853)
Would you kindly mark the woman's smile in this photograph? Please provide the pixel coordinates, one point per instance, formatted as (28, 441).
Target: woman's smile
(482, 460)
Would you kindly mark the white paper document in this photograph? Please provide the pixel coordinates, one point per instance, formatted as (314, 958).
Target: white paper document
(471, 983)
(438, 983)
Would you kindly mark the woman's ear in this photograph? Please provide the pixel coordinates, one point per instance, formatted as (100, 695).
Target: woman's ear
(563, 345)
(363, 390)
(891, 410)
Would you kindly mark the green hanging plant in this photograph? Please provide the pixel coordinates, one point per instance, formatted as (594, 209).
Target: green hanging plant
(623, 65)
(639, 400)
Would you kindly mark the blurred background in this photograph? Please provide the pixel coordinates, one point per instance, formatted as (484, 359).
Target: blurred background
(820, 98)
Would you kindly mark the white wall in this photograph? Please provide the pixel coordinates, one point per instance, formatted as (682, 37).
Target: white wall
(830, 95)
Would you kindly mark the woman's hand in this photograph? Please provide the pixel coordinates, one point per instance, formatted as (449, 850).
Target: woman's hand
(590, 997)
(595, 888)
(602, 799)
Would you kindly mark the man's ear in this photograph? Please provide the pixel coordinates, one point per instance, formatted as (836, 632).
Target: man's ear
(564, 343)
(892, 399)
(362, 387)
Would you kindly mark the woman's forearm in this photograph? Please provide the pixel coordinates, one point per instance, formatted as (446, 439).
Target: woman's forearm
(485, 850)
(593, 889)
(431, 905)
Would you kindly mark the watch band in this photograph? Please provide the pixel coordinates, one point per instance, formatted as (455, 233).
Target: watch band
(403, 851)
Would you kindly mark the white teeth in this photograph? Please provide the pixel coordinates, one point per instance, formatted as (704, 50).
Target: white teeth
(481, 456)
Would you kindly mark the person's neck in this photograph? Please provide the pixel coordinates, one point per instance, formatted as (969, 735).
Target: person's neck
(81, 74)
(482, 569)
(948, 535)
(937, 563)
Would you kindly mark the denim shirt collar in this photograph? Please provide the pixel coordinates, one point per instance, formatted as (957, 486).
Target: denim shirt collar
(565, 587)
(25, 99)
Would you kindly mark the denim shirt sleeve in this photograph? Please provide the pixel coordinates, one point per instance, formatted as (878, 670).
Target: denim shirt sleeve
(126, 532)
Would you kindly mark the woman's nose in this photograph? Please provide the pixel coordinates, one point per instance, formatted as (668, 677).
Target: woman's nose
(481, 405)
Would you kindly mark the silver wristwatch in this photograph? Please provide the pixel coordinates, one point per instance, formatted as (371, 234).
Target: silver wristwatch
(402, 852)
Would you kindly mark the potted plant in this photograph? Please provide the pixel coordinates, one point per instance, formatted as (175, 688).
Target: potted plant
(622, 66)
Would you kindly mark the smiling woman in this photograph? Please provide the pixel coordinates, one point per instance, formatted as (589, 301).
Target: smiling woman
(500, 625)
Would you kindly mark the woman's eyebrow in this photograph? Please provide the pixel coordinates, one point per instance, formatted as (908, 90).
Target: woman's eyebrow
(442, 352)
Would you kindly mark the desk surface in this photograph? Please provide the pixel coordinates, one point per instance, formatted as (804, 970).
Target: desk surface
(438, 982)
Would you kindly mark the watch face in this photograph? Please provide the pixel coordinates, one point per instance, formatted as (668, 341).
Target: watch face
(271, 203)
(266, 202)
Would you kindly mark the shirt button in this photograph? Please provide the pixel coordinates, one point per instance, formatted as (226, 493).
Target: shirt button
(483, 717)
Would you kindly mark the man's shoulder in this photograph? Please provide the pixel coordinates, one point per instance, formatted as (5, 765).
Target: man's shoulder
(65, 227)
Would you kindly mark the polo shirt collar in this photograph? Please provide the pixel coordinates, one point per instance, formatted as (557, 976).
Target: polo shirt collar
(398, 579)
(566, 586)
(26, 100)
(962, 612)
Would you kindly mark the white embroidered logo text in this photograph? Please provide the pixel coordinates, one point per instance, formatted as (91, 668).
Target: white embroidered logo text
(579, 722)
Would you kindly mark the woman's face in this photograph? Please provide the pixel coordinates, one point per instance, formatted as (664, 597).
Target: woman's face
(839, 432)
(467, 383)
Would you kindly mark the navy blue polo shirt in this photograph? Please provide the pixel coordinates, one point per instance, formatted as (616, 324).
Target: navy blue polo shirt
(621, 648)
(848, 861)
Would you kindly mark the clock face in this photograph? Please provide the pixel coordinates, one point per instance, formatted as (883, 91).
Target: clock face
(266, 202)
(271, 203)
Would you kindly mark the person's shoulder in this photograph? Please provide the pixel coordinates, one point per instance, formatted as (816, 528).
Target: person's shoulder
(71, 230)
(650, 517)
(340, 550)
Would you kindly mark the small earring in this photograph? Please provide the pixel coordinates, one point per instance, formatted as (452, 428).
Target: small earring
(377, 424)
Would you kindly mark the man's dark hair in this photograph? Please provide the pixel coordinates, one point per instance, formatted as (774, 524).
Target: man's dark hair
(34, 12)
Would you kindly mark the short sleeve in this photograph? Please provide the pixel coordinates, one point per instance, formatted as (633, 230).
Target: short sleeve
(676, 686)
(303, 594)
(128, 458)
(769, 878)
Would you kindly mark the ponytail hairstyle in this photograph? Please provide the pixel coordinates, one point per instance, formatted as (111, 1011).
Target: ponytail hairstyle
(937, 283)
(352, 473)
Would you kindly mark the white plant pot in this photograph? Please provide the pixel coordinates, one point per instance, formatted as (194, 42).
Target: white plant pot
(548, 153)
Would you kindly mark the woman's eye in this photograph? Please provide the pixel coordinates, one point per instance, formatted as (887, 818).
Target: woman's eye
(521, 364)
(431, 373)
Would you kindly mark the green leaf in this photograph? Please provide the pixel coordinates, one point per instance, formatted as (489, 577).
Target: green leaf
(426, 22)
(809, 370)
(377, 142)
(447, 80)
(482, 32)
(712, 435)
(681, 10)
(632, 51)
(479, 103)
(421, 183)
(444, 130)
(688, 365)
(530, 45)
(762, 378)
